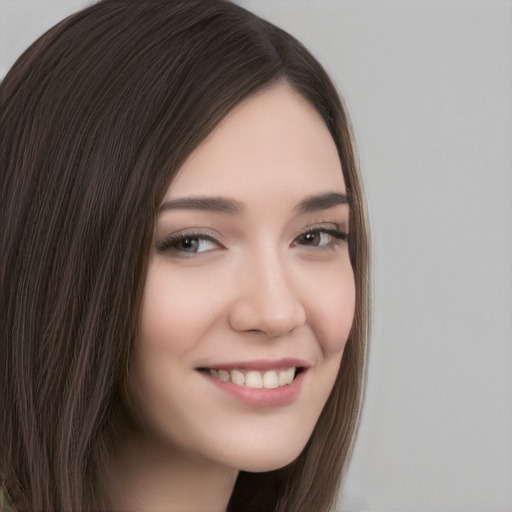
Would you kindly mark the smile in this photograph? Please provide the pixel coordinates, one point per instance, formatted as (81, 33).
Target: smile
(265, 387)
(255, 379)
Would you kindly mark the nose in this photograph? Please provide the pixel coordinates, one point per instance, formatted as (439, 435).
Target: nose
(268, 301)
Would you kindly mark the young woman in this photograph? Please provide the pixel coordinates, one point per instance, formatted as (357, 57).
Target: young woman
(184, 299)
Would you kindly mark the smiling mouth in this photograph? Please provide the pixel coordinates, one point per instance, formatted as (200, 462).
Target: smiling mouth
(255, 379)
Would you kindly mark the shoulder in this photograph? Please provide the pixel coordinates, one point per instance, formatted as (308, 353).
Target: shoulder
(6, 502)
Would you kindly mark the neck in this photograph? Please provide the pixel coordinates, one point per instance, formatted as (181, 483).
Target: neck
(145, 477)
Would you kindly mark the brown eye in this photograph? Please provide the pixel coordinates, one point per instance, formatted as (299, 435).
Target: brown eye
(321, 238)
(312, 238)
(188, 244)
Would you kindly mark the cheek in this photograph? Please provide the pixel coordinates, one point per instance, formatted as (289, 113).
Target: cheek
(333, 306)
(170, 318)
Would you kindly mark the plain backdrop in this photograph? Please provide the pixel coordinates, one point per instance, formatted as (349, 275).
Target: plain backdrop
(428, 85)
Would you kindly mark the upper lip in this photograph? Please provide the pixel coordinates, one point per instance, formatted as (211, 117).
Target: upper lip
(262, 364)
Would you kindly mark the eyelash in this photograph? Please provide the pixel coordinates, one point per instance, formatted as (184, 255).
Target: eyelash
(173, 240)
(169, 244)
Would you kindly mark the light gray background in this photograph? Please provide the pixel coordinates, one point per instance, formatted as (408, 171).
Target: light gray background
(428, 85)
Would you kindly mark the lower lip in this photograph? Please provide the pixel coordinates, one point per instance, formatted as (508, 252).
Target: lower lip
(261, 397)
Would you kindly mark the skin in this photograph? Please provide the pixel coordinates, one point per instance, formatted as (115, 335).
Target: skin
(260, 290)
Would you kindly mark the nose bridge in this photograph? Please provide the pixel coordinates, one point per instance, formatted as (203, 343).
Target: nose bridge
(268, 300)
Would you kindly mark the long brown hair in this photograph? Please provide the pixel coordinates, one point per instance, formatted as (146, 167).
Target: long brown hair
(97, 117)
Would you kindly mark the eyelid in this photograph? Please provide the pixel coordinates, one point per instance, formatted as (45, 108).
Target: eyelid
(327, 227)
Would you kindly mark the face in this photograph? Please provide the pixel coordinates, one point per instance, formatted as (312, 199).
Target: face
(249, 297)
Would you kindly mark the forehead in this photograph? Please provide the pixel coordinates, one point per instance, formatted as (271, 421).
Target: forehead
(275, 143)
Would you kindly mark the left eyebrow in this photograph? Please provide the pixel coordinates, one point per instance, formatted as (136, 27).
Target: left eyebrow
(322, 202)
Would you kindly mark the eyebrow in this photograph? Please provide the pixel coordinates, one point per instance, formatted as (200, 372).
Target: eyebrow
(322, 202)
(224, 205)
(210, 204)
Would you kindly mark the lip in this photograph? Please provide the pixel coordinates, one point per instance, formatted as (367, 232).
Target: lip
(260, 397)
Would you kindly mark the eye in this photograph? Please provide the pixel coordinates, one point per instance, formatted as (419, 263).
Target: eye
(188, 243)
(321, 237)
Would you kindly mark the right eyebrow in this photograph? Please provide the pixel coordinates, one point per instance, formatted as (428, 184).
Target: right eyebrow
(205, 203)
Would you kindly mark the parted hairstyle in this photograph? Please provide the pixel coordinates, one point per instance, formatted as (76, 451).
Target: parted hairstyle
(97, 116)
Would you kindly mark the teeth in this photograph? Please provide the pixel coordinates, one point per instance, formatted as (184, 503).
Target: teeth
(237, 377)
(286, 377)
(270, 380)
(255, 379)
(224, 376)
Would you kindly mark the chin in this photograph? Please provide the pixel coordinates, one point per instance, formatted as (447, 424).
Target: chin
(270, 464)
(260, 460)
